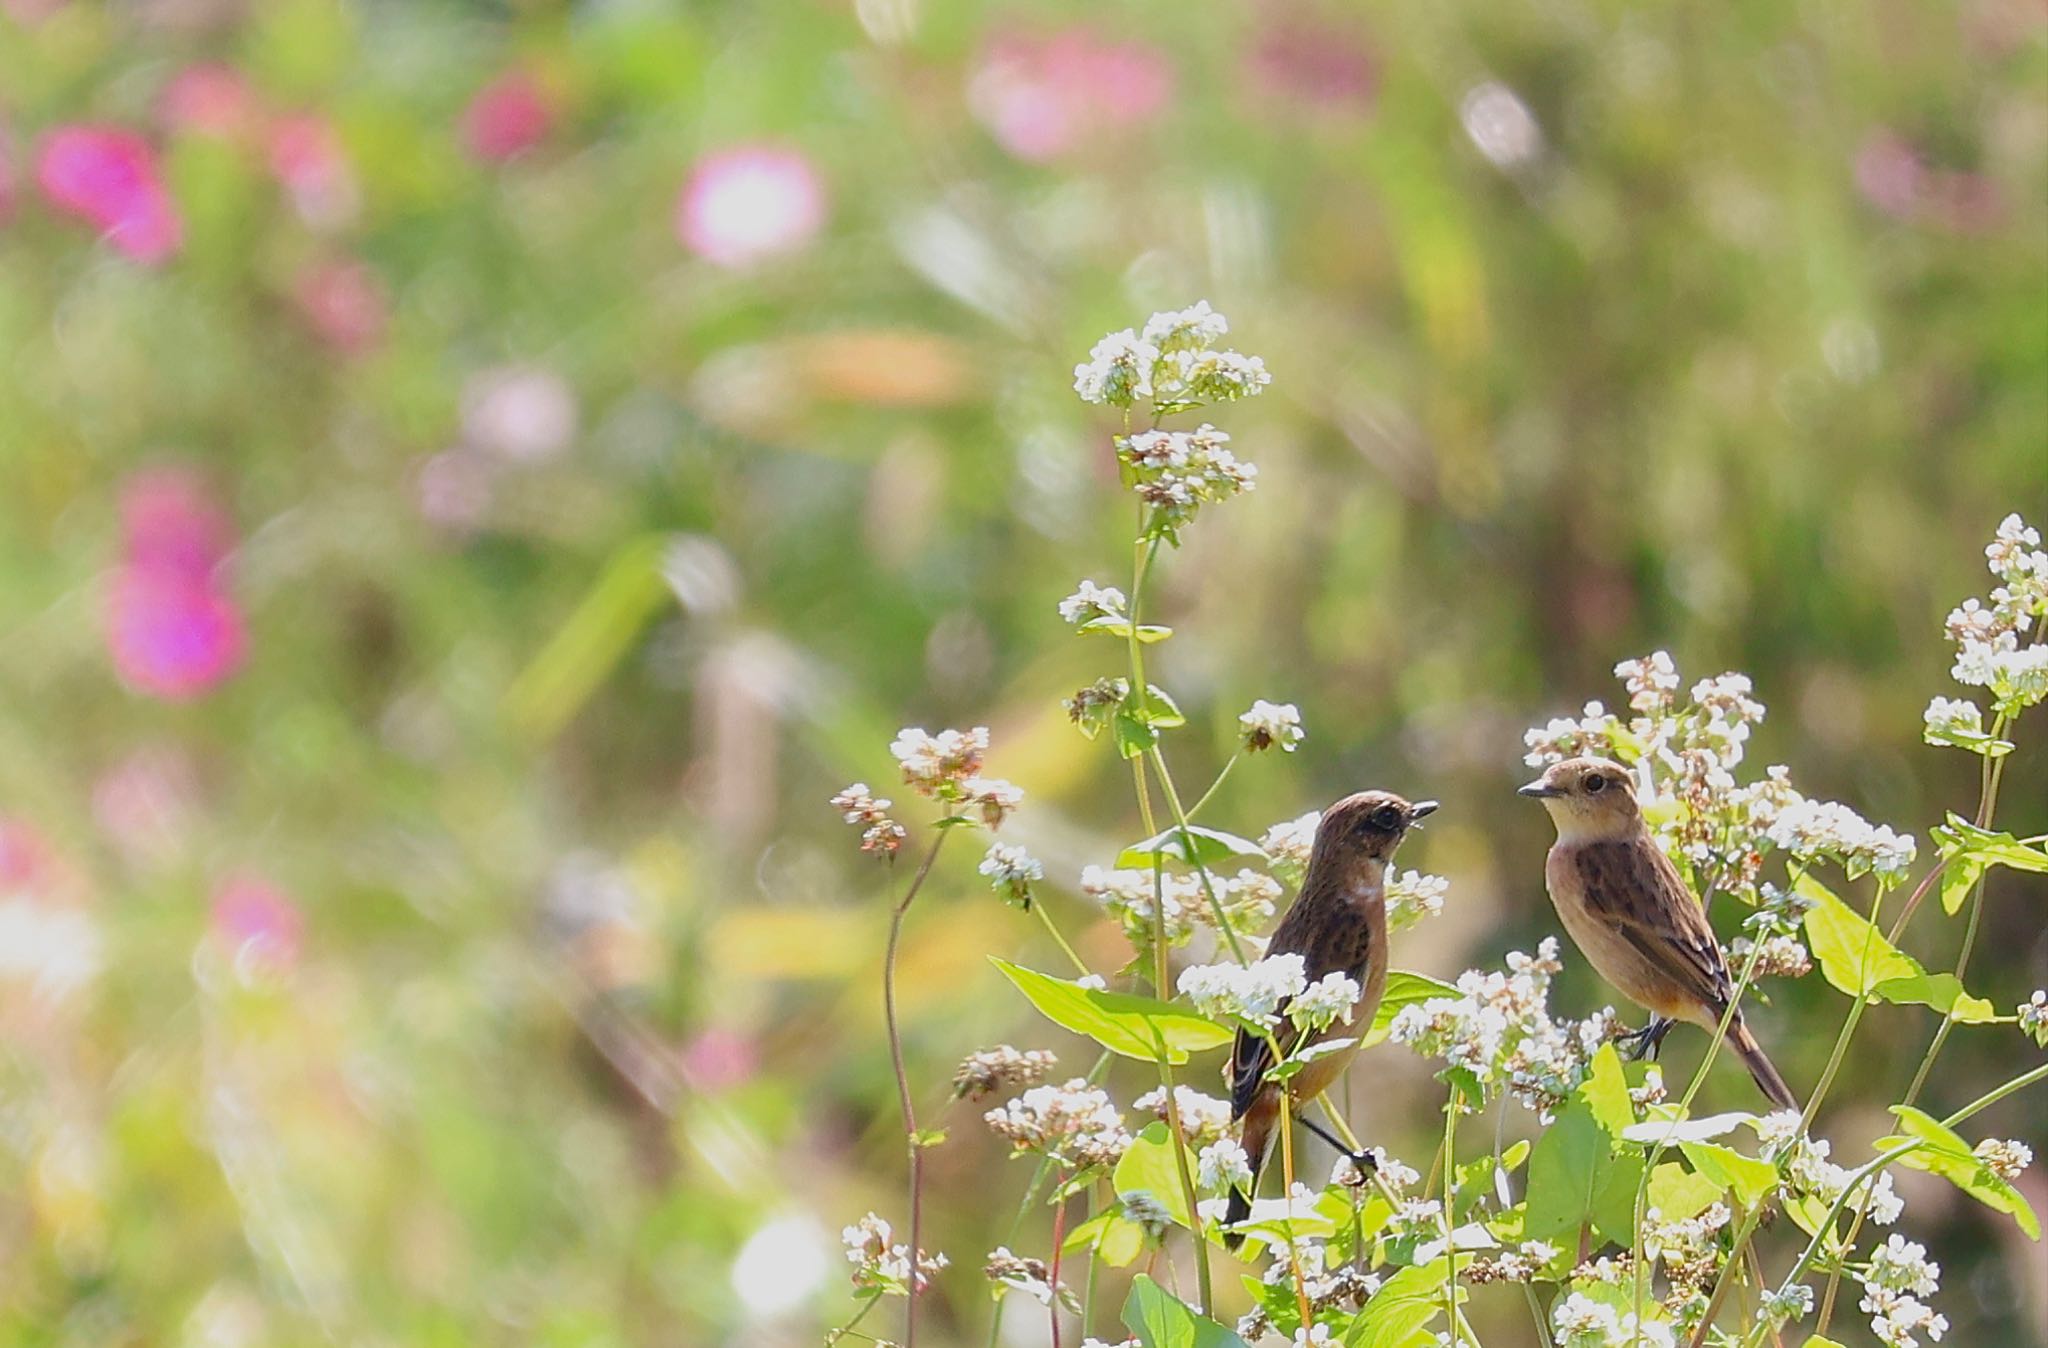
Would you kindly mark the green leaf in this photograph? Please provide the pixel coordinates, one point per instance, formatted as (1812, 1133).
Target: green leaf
(1996, 849)
(1944, 992)
(1399, 1314)
(1148, 1167)
(1210, 847)
(1956, 881)
(1159, 710)
(1111, 625)
(1120, 1022)
(1579, 1175)
(1677, 1193)
(1972, 741)
(1745, 1176)
(1133, 736)
(1943, 1152)
(1115, 1238)
(1403, 989)
(1162, 1320)
(1853, 955)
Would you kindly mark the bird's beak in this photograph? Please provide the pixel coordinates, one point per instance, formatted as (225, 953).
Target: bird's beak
(1421, 809)
(1537, 790)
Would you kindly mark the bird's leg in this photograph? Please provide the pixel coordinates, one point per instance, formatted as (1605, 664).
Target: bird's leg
(1645, 1042)
(1363, 1158)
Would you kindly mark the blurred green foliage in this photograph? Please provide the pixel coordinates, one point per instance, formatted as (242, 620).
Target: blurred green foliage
(1594, 329)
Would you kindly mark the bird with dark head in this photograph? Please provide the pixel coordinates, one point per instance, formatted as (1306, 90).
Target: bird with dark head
(1629, 911)
(1338, 924)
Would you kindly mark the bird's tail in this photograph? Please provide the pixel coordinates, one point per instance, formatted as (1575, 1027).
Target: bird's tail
(1760, 1068)
(1256, 1137)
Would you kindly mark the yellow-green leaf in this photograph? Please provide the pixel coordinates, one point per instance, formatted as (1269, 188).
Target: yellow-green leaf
(1136, 1027)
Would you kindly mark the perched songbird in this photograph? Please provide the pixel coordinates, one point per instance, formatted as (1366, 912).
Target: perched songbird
(1627, 908)
(1338, 924)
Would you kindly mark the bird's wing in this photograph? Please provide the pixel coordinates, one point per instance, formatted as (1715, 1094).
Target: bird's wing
(1634, 887)
(1330, 938)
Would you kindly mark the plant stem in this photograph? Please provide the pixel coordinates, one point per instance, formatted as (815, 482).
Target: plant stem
(1196, 808)
(1308, 1319)
(1059, 1239)
(1450, 1212)
(1081, 965)
(903, 1081)
(1187, 842)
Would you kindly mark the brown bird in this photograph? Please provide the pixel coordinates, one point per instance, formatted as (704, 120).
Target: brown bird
(1626, 906)
(1338, 924)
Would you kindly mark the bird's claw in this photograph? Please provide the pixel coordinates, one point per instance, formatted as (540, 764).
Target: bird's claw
(1645, 1042)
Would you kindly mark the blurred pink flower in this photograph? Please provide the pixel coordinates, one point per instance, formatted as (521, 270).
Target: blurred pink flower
(1311, 62)
(454, 489)
(345, 304)
(146, 805)
(258, 925)
(108, 176)
(24, 857)
(1042, 97)
(307, 156)
(508, 117)
(1895, 177)
(170, 526)
(718, 1057)
(172, 637)
(210, 99)
(748, 203)
(524, 413)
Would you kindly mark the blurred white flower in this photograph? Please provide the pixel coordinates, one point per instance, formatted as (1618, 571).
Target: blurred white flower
(749, 203)
(1092, 601)
(1011, 871)
(1251, 992)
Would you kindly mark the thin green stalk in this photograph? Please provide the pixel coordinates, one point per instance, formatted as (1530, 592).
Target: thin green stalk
(1450, 1215)
(903, 1080)
(1080, 964)
(1214, 786)
(1187, 842)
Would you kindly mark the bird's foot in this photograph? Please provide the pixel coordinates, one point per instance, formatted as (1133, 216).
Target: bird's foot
(1645, 1042)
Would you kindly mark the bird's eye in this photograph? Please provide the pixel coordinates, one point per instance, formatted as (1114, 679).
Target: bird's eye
(1596, 783)
(1386, 817)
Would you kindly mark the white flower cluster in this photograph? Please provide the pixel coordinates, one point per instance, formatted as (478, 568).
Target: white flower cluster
(1222, 1166)
(1092, 601)
(879, 833)
(1174, 363)
(1203, 1118)
(947, 767)
(1011, 871)
(1688, 1248)
(1582, 1322)
(1252, 992)
(1413, 896)
(1823, 828)
(1782, 956)
(1268, 724)
(1592, 733)
(1179, 472)
(1324, 1002)
(2005, 1157)
(1499, 1029)
(881, 1266)
(1248, 900)
(1344, 1288)
(1990, 653)
(1897, 1276)
(991, 1069)
(1026, 1275)
(1287, 845)
(1810, 1174)
(2033, 1014)
(1076, 1125)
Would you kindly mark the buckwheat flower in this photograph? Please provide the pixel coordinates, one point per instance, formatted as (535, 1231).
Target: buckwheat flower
(1268, 724)
(1252, 992)
(1287, 845)
(992, 1069)
(1011, 871)
(1092, 601)
(880, 1266)
(1195, 328)
(2033, 1014)
(1687, 1248)
(2005, 1158)
(2014, 556)
(1188, 378)
(1582, 1322)
(1118, 371)
(1652, 682)
(1328, 999)
(1594, 733)
(880, 834)
(1815, 828)
(1898, 1274)
(934, 763)
(1223, 1166)
(1949, 717)
(1412, 896)
(1076, 1125)
(1091, 708)
(1092, 982)
(1029, 1276)
(1795, 1303)
(1128, 896)
(1782, 956)
(1203, 1118)
(1311, 1336)
(993, 798)
(1901, 1265)
(1896, 1319)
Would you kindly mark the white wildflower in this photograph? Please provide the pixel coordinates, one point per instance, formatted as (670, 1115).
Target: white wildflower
(1287, 845)
(2033, 1014)
(1011, 871)
(991, 1069)
(1813, 828)
(1092, 601)
(879, 1265)
(1413, 896)
(1076, 1124)
(1195, 327)
(1202, 1117)
(1252, 992)
(1269, 723)
(1118, 371)
(1328, 999)
(1223, 1165)
(2005, 1157)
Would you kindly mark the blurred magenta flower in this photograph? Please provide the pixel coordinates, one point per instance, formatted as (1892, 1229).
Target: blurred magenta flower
(210, 99)
(173, 631)
(171, 526)
(172, 638)
(750, 202)
(257, 925)
(1305, 60)
(717, 1057)
(107, 176)
(508, 117)
(345, 304)
(307, 156)
(1043, 97)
